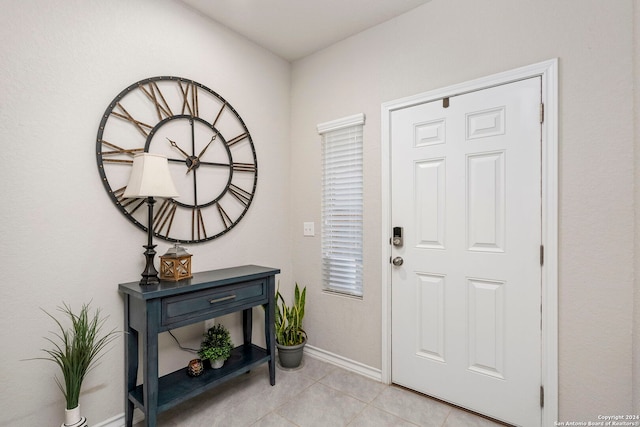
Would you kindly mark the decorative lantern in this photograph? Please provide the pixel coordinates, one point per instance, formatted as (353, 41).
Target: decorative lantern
(175, 265)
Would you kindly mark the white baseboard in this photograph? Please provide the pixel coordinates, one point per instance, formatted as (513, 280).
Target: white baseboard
(119, 421)
(316, 353)
(343, 362)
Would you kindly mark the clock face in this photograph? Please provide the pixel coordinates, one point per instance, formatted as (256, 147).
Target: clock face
(211, 156)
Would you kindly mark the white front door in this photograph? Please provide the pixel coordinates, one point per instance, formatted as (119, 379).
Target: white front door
(466, 301)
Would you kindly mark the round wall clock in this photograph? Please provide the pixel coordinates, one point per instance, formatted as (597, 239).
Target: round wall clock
(211, 156)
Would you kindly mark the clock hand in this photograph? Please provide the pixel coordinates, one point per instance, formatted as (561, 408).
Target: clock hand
(196, 161)
(174, 145)
(207, 146)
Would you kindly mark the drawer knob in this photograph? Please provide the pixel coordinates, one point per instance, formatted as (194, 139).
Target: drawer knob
(227, 298)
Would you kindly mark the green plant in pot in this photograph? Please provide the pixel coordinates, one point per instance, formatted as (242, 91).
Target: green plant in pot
(76, 350)
(216, 345)
(290, 336)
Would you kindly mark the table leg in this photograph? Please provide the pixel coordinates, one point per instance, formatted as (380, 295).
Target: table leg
(150, 370)
(247, 325)
(270, 329)
(130, 361)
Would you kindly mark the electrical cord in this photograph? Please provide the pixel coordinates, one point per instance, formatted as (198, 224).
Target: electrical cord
(191, 350)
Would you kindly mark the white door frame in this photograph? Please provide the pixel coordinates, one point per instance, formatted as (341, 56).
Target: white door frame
(548, 71)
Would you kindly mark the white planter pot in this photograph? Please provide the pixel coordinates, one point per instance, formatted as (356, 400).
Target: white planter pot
(217, 364)
(72, 418)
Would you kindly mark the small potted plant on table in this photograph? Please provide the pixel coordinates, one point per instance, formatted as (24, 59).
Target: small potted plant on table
(216, 346)
(290, 337)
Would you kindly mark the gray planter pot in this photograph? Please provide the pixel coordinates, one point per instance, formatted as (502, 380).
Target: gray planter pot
(290, 356)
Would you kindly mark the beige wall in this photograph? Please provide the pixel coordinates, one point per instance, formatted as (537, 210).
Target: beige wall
(636, 112)
(62, 62)
(62, 240)
(450, 41)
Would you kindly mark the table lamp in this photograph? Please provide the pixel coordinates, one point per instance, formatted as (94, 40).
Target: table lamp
(150, 178)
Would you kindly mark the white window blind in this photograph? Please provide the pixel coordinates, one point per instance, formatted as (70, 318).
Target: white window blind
(342, 205)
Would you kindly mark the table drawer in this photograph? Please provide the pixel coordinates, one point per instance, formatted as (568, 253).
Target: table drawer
(212, 302)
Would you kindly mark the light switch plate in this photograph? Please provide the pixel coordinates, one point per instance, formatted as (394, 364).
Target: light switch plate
(309, 229)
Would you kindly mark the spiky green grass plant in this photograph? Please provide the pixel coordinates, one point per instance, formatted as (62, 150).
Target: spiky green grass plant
(76, 349)
(288, 321)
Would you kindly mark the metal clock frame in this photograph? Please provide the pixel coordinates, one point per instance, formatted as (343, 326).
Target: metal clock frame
(165, 115)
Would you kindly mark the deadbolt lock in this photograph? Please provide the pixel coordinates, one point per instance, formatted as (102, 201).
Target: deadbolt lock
(397, 239)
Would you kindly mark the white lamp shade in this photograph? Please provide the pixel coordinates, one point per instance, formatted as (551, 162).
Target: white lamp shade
(150, 177)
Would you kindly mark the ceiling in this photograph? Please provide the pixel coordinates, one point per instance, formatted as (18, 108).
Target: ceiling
(294, 29)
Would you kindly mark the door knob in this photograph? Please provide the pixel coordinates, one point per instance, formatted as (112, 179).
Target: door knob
(397, 261)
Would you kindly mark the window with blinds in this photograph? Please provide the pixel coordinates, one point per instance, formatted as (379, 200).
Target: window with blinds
(342, 205)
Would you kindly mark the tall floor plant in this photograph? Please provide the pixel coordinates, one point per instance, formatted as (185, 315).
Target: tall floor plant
(77, 349)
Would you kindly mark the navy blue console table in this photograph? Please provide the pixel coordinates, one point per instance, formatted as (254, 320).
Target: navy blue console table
(150, 310)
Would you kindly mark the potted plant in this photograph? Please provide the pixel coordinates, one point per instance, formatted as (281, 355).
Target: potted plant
(76, 350)
(290, 337)
(216, 346)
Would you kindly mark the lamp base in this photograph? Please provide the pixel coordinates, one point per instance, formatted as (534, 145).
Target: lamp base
(150, 274)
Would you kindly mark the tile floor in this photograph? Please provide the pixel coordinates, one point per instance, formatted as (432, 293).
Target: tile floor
(318, 394)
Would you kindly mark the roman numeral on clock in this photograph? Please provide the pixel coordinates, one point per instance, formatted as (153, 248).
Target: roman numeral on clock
(155, 95)
(124, 115)
(213, 125)
(226, 220)
(116, 151)
(243, 196)
(243, 167)
(236, 139)
(189, 98)
(125, 202)
(164, 217)
(197, 225)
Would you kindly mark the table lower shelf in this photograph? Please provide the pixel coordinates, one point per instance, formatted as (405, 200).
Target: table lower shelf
(176, 387)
